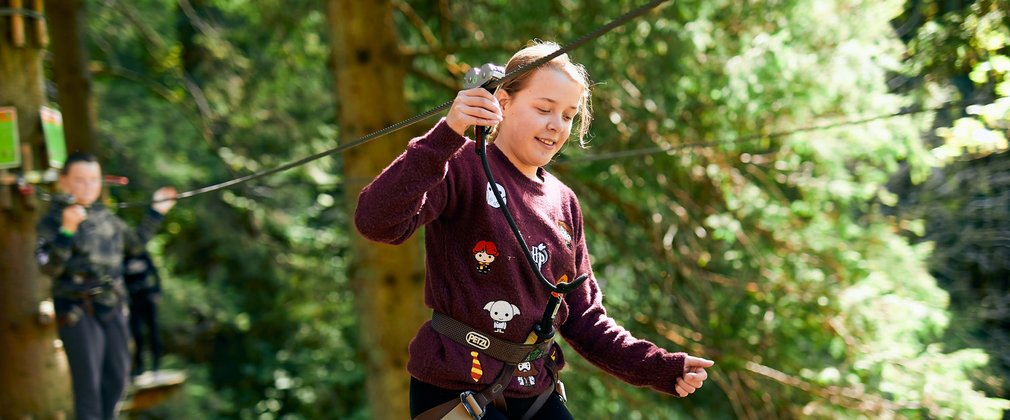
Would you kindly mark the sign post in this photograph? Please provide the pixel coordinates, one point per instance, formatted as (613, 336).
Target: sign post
(10, 143)
(52, 129)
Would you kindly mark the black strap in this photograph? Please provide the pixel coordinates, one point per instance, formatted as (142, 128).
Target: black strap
(506, 351)
(552, 368)
(538, 403)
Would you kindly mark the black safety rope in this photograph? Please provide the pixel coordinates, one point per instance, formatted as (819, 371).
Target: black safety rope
(481, 136)
(485, 76)
(419, 117)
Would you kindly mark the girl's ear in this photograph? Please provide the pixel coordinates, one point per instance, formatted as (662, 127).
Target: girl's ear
(503, 98)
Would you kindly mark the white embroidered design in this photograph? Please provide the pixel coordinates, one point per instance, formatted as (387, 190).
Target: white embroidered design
(566, 233)
(491, 201)
(501, 312)
(526, 374)
(539, 255)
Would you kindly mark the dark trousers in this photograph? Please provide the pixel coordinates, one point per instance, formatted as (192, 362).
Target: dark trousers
(144, 315)
(97, 348)
(425, 396)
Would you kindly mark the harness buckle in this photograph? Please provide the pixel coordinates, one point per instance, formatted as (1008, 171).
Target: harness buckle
(470, 405)
(559, 387)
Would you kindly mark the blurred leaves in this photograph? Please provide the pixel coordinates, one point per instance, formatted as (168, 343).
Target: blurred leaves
(964, 202)
(779, 258)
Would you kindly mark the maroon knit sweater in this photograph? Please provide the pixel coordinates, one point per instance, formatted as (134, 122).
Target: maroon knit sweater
(477, 274)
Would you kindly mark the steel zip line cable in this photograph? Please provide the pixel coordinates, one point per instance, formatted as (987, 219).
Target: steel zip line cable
(775, 134)
(623, 19)
(672, 148)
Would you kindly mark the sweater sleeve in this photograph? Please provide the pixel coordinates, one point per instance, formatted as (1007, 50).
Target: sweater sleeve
(598, 337)
(53, 248)
(411, 191)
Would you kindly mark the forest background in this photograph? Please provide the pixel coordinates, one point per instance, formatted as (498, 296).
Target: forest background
(814, 194)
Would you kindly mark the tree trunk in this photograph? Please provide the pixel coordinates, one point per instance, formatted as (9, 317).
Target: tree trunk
(71, 74)
(388, 281)
(34, 378)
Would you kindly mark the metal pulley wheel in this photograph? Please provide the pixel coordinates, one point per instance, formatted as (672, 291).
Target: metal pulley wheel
(481, 76)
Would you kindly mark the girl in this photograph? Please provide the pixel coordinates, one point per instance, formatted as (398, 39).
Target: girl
(438, 183)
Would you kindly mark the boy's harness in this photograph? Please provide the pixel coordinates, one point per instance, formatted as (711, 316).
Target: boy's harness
(86, 289)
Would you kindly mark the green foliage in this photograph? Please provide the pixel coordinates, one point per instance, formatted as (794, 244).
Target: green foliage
(964, 202)
(772, 255)
(257, 305)
(983, 35)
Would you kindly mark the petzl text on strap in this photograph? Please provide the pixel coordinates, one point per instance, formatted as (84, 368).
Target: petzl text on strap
(497, 348)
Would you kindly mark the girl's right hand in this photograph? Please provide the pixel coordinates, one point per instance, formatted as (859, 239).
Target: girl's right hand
(474, 106)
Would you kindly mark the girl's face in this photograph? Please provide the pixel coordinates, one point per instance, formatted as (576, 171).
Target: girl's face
(538, 119)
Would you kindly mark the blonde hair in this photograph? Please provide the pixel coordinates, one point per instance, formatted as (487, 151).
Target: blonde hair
(536, 50)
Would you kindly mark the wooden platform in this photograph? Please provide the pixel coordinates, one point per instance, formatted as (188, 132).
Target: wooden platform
(152, 388)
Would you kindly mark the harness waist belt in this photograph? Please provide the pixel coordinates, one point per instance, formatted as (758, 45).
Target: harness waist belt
(497, 348)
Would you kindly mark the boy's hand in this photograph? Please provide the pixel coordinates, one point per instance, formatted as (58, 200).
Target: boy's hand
(73, 216)
(694, 375)
(163, 199)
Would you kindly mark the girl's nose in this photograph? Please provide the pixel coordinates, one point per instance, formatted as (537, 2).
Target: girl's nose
(554, 123)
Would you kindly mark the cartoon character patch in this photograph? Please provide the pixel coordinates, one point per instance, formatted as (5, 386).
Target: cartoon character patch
(526, 374)
(539, 255)
(475, 370)
(485, 253)
(491, 201)
(501, 312)
(566, 233)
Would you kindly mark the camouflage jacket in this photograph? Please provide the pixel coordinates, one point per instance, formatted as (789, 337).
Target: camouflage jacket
(90, 263)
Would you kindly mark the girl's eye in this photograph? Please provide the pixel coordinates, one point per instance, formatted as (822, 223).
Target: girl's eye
(543, 111)
(568, 117)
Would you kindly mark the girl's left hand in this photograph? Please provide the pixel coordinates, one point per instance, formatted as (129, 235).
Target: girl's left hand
(694, 375)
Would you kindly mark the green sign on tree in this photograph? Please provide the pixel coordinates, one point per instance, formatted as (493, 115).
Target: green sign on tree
(52, 129)
(10, 150)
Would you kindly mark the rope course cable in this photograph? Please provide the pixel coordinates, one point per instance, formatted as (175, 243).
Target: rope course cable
(615, 23)
(417, 118)
(672, 148)
(564, 161)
